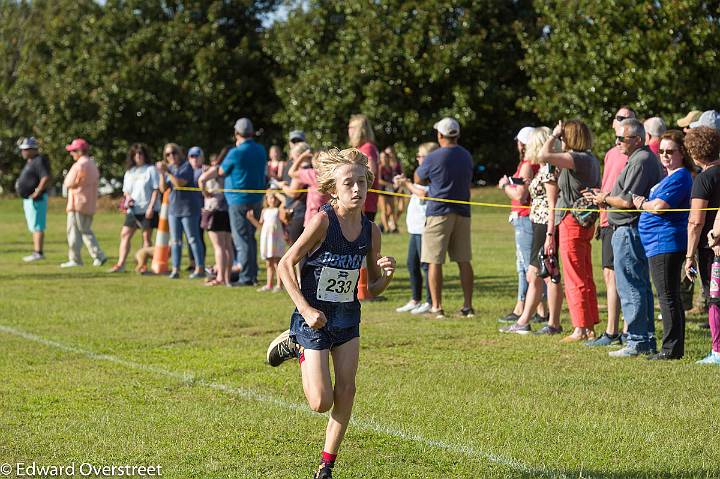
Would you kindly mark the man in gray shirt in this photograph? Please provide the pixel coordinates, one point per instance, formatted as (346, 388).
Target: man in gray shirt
(641, 173)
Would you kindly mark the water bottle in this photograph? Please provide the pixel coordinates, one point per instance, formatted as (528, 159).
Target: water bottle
(715, 278)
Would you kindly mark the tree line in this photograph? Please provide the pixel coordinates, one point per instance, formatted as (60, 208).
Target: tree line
(160, 70)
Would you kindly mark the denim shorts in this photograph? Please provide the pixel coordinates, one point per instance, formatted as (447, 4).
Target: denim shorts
(326, 337)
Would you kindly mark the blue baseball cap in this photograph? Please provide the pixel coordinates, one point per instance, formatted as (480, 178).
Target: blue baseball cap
(195, 151)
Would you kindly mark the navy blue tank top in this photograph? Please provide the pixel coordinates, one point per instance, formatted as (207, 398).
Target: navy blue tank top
(328, 279)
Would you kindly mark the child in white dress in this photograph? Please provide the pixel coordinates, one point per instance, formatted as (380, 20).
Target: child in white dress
(272, 238)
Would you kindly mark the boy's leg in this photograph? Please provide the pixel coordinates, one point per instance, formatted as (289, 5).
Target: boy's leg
(317, 383)
(345, 363)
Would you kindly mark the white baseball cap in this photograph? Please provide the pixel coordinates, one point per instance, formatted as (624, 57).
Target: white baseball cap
(523, 135)
(448, 127)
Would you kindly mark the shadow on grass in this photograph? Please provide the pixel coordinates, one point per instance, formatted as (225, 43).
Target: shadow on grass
(595, 474)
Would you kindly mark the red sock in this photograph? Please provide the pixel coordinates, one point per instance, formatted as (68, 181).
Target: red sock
(301, 358)
(328, 458)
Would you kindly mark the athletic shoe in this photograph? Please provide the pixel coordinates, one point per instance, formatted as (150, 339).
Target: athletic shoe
(281, 349)
(712, 358)
(626, 352)
(423, 308)
(516, 328)
(70, 264)
(100, 261)
(196, 275)
(323, 472)
(409, 306)
(540, 319)
(264, 288)
(438, 313)
(174, 275)
(510, 318)
(605, 340)
(277, 289)
(33, 257)
(117, 269)
(548, 330)
(662, 356)
(467, 313)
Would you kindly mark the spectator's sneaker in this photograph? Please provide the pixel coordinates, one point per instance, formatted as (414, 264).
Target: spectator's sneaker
(626, 352)
(605, 340)
(516, 328)
(277, 289)
(712, 358)
(281, 349)
(33, 257)
(662, 356)
(100, 261)
(409, 306)
(537, 319)
(510, 318)
(70, 264)
(437, 313)
(421, 309)
(196, 275)
(548, 330)
(264, 289)
(467, 313)
(323, 472)
(174, 275)
(117, 269)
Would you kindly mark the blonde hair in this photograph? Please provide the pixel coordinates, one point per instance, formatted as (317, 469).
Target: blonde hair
(174, 147)
(299, 149)
(363, 133)
(328, 161)
(275, 194)
(537, 139)
(429, 147)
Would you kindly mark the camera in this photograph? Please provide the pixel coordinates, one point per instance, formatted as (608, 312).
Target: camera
(549, 267)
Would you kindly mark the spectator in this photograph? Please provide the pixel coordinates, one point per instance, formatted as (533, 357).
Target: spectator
(183, 214)
(196, 157)
(304, 175)
(416, 225)
(276, 165)
(709, 118)
(684, 122)
(362, 137)
(663, 236)
(295, 201)
(244, 169)
(387, 202)
(543, 191)
(654, 128)
(641, 173)
(82, 186)
(140, 192)
(396, 165)
(448, 170)
(579, 170)
(272, 240)
(516, 189)
(32, 186)
(216, 220)
(702, 144)
(614, 162)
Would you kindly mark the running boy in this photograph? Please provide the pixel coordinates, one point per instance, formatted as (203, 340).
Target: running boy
(326, 320)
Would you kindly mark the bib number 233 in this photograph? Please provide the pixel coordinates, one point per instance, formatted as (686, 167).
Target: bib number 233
(337, 285)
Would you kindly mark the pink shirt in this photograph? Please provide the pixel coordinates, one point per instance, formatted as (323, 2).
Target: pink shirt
(371, 151)
(654, 146)
(615, 161)
(82, 183)
(315, 199)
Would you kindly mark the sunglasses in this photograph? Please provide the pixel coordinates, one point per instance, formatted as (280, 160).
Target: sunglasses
(621, 118)
(171, 153)
(669, 151)
(622, 139)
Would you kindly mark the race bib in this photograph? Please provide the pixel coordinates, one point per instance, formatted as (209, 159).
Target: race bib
(337, 285)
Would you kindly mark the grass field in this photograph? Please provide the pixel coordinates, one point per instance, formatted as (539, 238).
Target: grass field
(129, 370)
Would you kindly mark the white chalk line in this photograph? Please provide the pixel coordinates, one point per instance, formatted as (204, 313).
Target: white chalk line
(365, 424)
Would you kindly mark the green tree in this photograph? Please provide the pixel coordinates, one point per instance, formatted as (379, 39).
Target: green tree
(585, 58)
(405, 64)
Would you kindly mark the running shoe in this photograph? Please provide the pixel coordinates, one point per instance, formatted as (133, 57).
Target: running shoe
(70, 264)
(605, 340)
(539, 319)
(510, 318)
(467, 313)
(548, 330)
(409, 306)
(712, 358)
(281, 349)
(33, 257)
(422, 308)
(117, 269)
(100, 261)
(323, 472)
(516, 328)
(437, 313)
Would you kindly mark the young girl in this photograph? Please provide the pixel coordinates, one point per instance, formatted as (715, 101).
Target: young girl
(326, 320)
(272, 238)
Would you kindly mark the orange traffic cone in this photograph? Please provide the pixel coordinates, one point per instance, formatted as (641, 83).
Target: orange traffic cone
(363, 292)
(162, 238)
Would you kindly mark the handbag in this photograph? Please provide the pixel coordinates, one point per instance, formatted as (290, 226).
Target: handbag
(206, 219)
(589, 214)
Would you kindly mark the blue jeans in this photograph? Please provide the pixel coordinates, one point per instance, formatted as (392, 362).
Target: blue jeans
(191, 226)
(523, 250)
(632, 279)
(243, 235)
(416, 269)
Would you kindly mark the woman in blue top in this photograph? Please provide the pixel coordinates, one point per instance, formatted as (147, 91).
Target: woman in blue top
(326, 320)
(663, 234)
